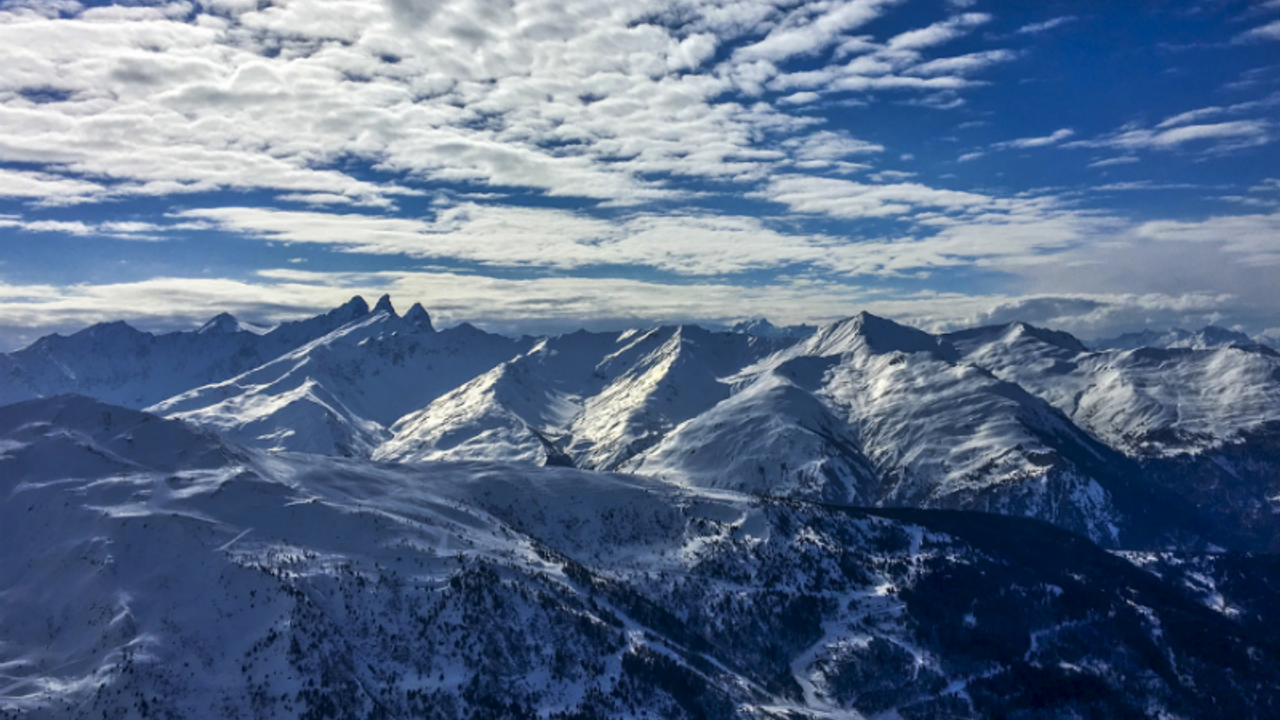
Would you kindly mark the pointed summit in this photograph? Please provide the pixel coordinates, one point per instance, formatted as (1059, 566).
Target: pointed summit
(877, 335)
(220, 324)
(418, 316)
(354, 308)
(384, 305)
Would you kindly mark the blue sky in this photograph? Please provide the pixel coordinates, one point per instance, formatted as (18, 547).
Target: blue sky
(539, 165)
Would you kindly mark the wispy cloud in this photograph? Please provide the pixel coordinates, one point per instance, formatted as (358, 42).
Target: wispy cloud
(1216, 137)
(1054, 138)
(1263, 33)
(1047, 25)
(1112, 162)
(126, 230)
(849, 199)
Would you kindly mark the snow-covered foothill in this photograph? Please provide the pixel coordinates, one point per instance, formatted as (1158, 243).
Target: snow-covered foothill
(190, 578)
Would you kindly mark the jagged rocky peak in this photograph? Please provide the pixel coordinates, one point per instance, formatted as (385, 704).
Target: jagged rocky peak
(867, 332)
(354, 308)
(384, 305)
(419, 317)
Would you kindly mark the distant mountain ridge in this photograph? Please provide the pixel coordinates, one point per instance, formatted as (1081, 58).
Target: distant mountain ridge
(1205, 338)
(129, 367)
(1132, 448)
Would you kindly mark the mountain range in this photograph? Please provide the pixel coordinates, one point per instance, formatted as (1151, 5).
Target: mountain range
(362, 515)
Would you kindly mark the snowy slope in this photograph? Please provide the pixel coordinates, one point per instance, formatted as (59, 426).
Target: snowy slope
(336, 394)
(1146, 402)
(882, 414)
(284, 585)
(590, 399)
(1205, 423)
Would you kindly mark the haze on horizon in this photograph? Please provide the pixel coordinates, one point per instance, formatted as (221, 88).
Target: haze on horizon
(541, 165)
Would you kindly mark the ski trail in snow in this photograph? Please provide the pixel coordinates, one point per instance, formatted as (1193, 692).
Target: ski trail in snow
(233, 540)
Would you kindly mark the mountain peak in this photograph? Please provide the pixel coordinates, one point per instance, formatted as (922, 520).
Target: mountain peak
(384, 305)
(115, 328)
(354, 308)
(877, 334)
(418, 316)
(220, 324)
(1061, 339)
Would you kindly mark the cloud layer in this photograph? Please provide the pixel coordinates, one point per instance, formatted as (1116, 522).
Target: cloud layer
(659, 158)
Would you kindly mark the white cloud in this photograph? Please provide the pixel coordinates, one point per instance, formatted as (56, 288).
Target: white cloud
(848, 199)
(583, 98)
(938, 33)
(1111, 162)
(945, 229)
(538, 238)
(809, 36)
(1034, 142)
(824, 148)
(963, 64)
(126, 230)
(49, 188)
(1270, 31)
(1253, 237)
(1190, 116)
(1047, 25)
(1217, 137)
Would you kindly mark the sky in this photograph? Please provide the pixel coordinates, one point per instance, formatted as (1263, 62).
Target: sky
(543, 165)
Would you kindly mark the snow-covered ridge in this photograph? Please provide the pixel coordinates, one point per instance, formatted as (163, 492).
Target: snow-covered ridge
(336, 394)
(1206, 338)
(125, 366)
(865, 411)
(1145, 402)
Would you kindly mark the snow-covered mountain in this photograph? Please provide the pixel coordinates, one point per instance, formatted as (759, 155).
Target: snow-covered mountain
(1133, 448)
(593, 400)
(336, 394)
(154, 570)
(1205, 423)
(1145, 402)
(870, 412)
(120, 364)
